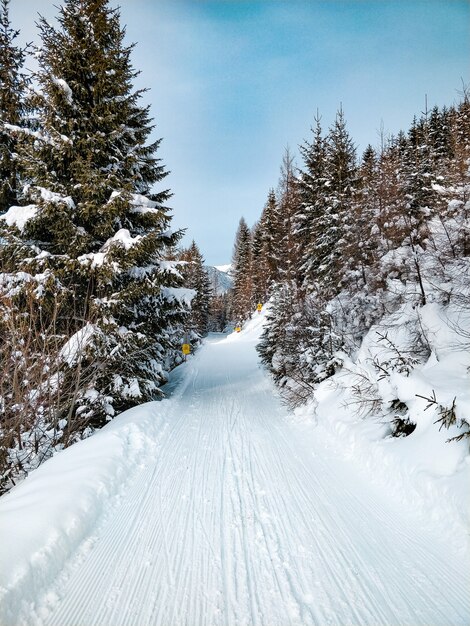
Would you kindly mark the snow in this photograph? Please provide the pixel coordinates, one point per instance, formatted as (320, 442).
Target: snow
(224, 268)
(96, 259)
(214, 507)
(123, 237)
(172, 267)
(140, 204)
(178, 294)
(52, 514)
(424, 470)
(19, 215)
(37, 134)
(55, 198)
(73, 349)
(65, 88)
(221, 281)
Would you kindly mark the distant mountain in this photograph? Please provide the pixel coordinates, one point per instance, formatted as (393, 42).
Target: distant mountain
(220, 278)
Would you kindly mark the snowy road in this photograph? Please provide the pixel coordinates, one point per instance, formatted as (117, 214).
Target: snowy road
(238, 520)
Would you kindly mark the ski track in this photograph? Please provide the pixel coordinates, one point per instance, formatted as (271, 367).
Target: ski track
(236, 520)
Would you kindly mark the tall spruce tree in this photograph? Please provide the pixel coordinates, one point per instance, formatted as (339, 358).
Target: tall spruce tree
(242, 292)
(334, 225)
(363, 240)
(260, 266)
(13, 82)
(196, 277)
(311, 184)
(96, 231)
(270, 233)
(288, 208)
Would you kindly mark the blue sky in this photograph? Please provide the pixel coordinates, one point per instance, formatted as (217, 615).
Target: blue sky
(232, 83)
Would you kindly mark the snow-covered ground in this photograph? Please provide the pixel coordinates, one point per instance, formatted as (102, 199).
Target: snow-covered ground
(215, 507)
(425, 471)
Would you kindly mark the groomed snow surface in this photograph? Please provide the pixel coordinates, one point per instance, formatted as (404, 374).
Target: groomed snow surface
(213, 507)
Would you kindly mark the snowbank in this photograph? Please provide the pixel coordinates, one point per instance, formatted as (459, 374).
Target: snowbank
(354, 412)
(45, 519)
(251, 330)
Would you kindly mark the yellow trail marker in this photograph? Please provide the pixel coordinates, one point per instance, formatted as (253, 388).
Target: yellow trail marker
(238, 329)
(259, 307)
(186, 348)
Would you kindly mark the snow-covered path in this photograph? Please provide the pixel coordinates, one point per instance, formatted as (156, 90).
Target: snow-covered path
(236, 519)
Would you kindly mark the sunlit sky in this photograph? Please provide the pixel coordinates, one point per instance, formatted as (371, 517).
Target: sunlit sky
(232, 83)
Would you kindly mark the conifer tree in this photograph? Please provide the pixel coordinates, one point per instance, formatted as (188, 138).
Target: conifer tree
(13, 83)
(270, 234)
(331, 238)
(274, 347)
(374, 238)
(260, 266)
(218, 311)
(96, 231)
(455, 178)
(196, 277)
(363, 241)
(288, 209)
(418, 174)
(312, 188)
(242, 292)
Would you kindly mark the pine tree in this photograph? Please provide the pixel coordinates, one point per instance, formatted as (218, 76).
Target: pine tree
(288, 209)
(312, 187)
(298, 343)
(97, 232)
(440, 137)
(333, 228)
(242, 293)
(196, 277)
(13, 83)
(219, 309)
(363, 240)
(260, 265)
(270, 233)
(419, 176)
(273, 347)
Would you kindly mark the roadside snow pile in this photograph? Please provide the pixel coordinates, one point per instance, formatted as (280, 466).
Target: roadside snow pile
(401, 417)
(252, 329)
(46, 518)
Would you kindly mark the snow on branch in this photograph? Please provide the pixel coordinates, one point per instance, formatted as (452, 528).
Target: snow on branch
(64, 87)
(139, 203)
(72, 351)
(46, 195)
(19, 215)
(123, 237)
(37, 134)
(179, 294)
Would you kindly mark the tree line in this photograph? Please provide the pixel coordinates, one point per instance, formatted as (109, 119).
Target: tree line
(347, 240)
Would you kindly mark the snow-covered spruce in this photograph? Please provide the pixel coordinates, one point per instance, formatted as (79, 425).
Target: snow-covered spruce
(85, 256)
